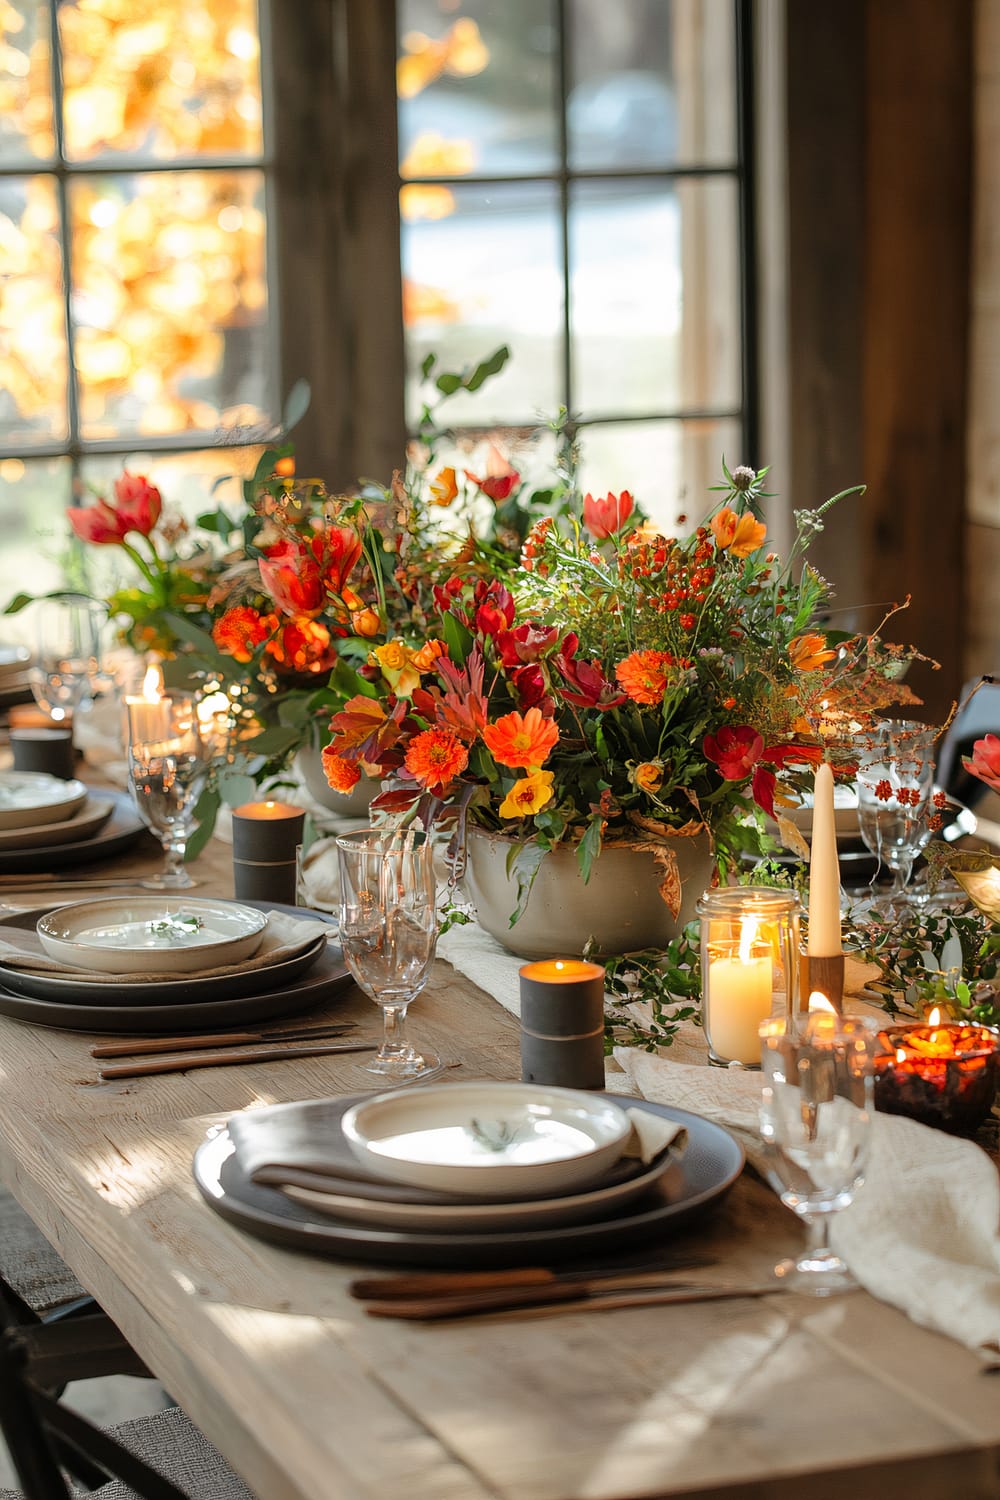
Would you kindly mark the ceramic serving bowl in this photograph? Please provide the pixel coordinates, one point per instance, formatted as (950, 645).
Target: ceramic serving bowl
(172, 934)
(496, 1141)
(29, 798)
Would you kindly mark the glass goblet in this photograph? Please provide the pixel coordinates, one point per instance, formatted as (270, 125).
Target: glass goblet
(815, 1122)
(895, 784)
(388, 933)
(67, 654)
(167, 767)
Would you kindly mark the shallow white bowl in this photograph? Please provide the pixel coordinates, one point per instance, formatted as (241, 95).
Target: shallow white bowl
(497, 1141)
(31, 797)
(118, 935)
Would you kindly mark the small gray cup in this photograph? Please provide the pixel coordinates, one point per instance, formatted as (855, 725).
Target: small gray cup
(48, 750)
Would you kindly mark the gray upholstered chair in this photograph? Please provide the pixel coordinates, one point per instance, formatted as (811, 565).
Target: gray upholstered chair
(68, 1337)
(162, 1457)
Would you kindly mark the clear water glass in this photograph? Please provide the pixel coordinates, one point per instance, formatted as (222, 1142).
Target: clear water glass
(167, 769)
(388, 933)
(815, 1123)
(67, 654)
(895, 785)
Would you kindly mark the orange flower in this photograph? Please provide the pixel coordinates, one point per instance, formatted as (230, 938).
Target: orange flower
(435, 757)
(528, 795)
(648, 777)
(396, 662)
(643, 675)
(238, 631)
(303, 644)
(739, 535)
(809, 652)
(340, 773)
(525, 740)
(444, 488)
(428, 654)
(366, 622)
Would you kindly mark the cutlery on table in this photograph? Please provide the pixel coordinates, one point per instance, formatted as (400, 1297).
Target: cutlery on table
(546, 1300)
(223, 1057)
(153, 1045)
(409, 1284)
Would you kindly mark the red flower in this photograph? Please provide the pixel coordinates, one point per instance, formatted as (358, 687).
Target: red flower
(735, 751)
(291, 576)
(239, 631)
(98, 523)
(139, 503)
(496, 487)
(529, 685)
(525, 644)
(589, 688)
(984, 761)
(603, 518)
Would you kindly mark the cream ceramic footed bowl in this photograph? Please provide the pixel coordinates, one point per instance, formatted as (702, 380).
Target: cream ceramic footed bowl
(490, 1140)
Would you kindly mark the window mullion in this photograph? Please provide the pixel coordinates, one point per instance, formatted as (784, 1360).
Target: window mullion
(65, 238)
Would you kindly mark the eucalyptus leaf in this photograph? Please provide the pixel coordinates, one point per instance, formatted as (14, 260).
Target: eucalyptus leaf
(235, 789)
(206, 810)
(296, 404)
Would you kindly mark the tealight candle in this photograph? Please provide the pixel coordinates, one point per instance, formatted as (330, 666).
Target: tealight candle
(943, 1073)
(562, 1023)
(266, 839)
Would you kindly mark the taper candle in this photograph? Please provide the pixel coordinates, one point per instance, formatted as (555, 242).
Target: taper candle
(825, 947)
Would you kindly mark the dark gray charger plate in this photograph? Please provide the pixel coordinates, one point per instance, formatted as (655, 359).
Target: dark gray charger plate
(325, 975)
(710, 1165)
(121, 830)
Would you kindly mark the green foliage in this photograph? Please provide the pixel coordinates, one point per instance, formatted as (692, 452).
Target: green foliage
(655, 993)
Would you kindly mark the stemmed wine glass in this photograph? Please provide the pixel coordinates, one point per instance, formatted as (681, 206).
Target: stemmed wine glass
(895, 784)
(167, 768)
(388, 933)
(67, 653)
(815, 1122)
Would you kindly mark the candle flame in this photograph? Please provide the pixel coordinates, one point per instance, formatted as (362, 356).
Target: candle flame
(818, 1003)
(152, 684)
(935, 1018)
(748, 934)
(900, 1055)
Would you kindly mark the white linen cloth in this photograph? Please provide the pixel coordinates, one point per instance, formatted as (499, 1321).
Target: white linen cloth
(924, 1231)
(284, 937)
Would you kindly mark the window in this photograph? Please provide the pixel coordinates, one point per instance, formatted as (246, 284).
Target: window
(574, 187)
(134, 282)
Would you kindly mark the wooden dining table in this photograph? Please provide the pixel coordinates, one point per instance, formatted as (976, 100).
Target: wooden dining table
(310, 1398)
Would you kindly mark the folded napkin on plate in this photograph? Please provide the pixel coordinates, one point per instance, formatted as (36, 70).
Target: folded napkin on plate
(284, 937)
(922, 1233)
(302, 1145)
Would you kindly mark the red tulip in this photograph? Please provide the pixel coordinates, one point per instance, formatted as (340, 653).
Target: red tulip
(139, 503)
(97, 523)
(984, 761)
(735, 751)
(603, 518)
(291, 576)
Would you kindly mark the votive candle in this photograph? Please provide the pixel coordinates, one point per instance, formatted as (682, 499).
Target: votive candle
(562, 1023)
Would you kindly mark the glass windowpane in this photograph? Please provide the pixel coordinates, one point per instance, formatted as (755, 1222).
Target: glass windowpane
(484, 274)
(169, 302)
(668, 466)
(477, 90)
(161, 78)
(652, 84)
(26, 133)
(33, 500)
(33, 359)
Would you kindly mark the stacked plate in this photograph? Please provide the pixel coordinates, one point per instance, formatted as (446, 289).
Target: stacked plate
(284, 1173)
(139, 965)
(14, 685)
(46, 822)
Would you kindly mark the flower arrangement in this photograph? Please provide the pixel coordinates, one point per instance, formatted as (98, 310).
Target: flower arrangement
(615, 685)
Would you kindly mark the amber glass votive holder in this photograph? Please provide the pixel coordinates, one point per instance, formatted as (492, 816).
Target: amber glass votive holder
(943, 1074)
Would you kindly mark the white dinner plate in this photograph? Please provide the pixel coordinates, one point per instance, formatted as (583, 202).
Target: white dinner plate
(93, 815)
(492, 1140)
(169, 934)
(486, 1218)
(28, 798)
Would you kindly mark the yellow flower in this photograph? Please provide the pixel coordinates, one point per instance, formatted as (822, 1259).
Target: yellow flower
(396, 661)
(528, 795)
(648, 777)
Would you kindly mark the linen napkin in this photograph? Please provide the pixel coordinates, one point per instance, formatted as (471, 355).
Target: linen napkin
(922, 1233)
(302, 1145)
(284, 937)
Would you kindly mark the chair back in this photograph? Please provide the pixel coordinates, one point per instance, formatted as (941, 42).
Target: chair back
(978, 715)
(44, 1438)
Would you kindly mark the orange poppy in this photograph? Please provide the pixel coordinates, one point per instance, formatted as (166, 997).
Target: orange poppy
(809, 652)
(525, 740)
(739, 535)
(444, 488)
